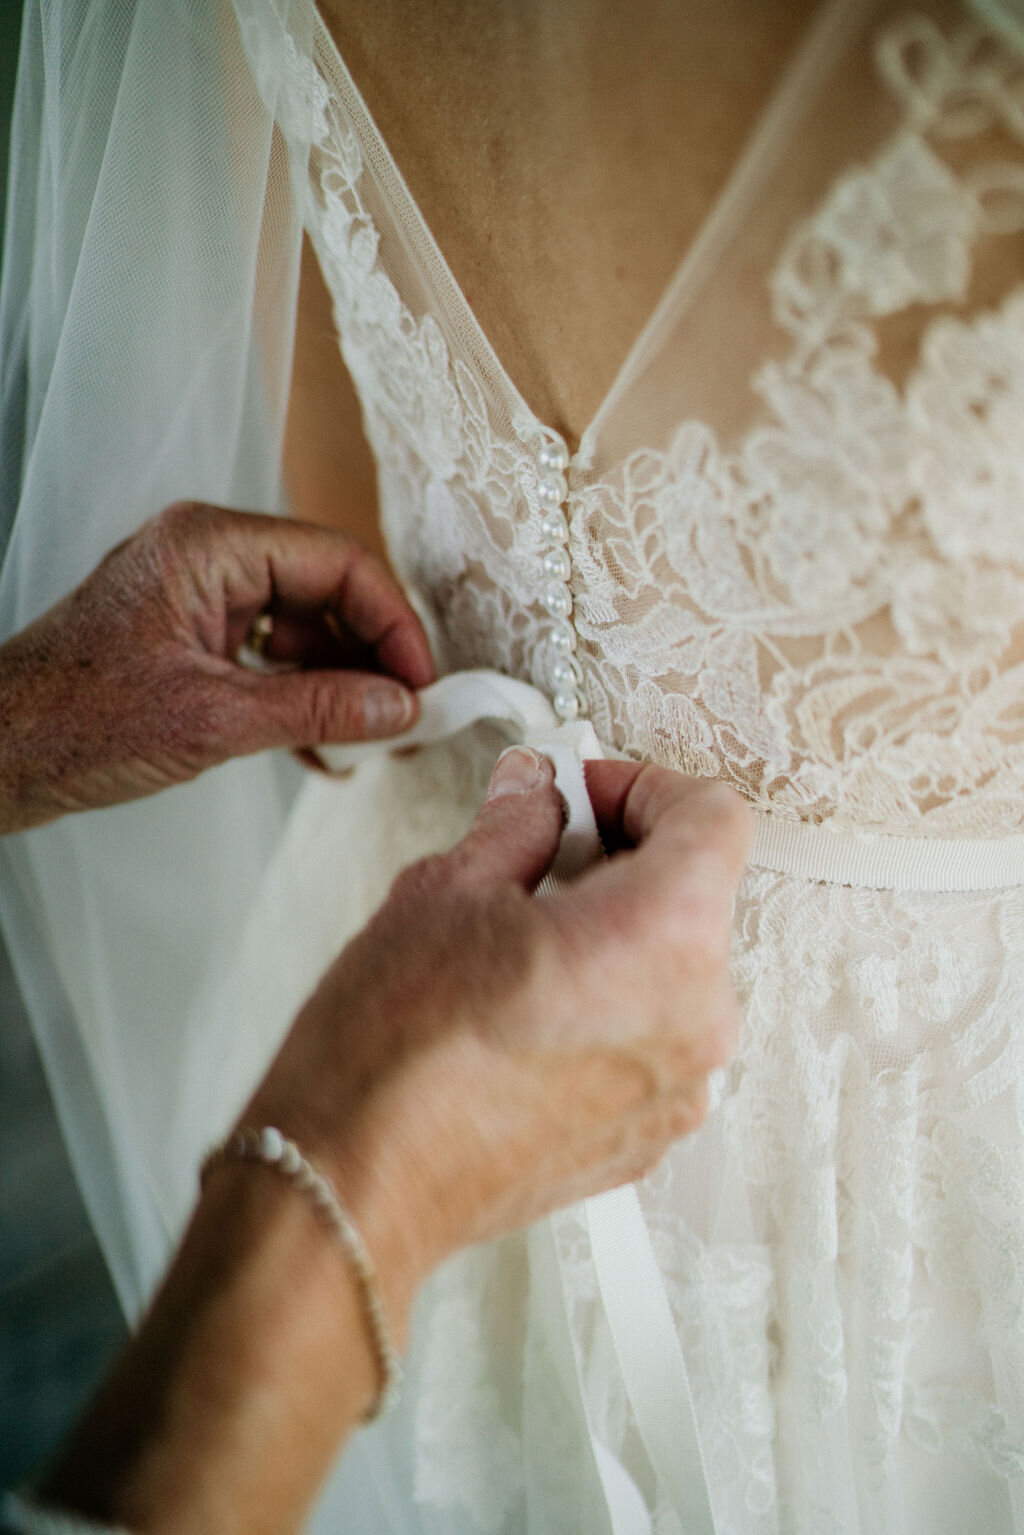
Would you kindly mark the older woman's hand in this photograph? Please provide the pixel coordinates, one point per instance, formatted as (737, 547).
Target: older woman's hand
(474, 1058)
(130, 684)
(477, 1057)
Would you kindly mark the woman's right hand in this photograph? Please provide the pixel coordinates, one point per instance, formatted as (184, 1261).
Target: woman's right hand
(476, 1058)
(473, 1059)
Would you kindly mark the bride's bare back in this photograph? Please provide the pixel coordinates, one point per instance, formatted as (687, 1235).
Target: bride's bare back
(564, 157)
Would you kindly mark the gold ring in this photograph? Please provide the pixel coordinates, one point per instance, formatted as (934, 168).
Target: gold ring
(260, 630)
(333, 623)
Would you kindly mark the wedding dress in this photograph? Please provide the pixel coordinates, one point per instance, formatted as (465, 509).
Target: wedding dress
(777, 559)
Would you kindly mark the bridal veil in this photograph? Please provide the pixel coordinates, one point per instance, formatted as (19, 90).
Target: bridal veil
(146, 320)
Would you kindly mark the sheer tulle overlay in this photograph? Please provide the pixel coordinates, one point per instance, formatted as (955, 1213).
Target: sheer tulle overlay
(794, 560)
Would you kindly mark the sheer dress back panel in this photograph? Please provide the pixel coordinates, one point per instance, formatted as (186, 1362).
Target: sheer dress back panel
(792, 520)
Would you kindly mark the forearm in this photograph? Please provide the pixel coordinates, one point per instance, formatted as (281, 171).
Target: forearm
(31, 737)
(226, 1410)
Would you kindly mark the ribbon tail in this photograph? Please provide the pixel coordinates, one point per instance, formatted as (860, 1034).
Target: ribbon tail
(630, 1282)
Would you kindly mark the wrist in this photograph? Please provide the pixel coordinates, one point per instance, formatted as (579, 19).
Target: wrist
(406, 1169)
(373, 1138)
(267, 1147)
(19, 766)
(44, 759)
(228, 1407)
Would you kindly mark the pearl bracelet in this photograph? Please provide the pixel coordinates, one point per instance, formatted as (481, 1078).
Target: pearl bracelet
(274, 1150)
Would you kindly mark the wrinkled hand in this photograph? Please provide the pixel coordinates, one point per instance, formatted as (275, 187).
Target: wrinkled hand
(130, 684)
(473, 1059)
(476, 1058)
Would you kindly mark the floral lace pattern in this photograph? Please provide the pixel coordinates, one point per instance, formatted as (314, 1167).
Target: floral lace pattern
(458, 504)
(871, 1119)
(828, 614)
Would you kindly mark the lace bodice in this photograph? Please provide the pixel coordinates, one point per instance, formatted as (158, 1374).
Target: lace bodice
(801, 575)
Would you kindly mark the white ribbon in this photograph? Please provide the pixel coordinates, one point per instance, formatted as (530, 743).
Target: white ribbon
(632, 1291)
(874, 860)
(525, 715)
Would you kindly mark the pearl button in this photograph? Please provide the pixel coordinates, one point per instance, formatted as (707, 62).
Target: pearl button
(557, 566)
(552, 491)
(553, 457)
(558, 601)
(562, 639)
(555, 528)
(552, 463)
(566, 674)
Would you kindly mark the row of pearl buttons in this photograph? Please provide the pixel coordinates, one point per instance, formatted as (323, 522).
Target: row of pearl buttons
(552, 492)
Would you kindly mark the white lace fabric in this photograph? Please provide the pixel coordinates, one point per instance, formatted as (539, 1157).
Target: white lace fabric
(796, 566)
(820, 601)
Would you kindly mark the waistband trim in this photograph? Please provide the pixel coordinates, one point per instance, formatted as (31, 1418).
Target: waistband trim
(880, 862)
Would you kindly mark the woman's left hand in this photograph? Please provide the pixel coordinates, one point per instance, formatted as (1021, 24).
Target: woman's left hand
(131, 683)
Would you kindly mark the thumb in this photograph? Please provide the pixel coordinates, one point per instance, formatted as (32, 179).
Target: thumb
(515, 836)
(315, 708)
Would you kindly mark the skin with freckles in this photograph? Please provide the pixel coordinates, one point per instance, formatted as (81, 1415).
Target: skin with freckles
(473, 1059)
(130, 684)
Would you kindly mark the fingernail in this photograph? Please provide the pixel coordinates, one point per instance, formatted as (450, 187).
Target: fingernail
(516, 771)
(387, 708)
